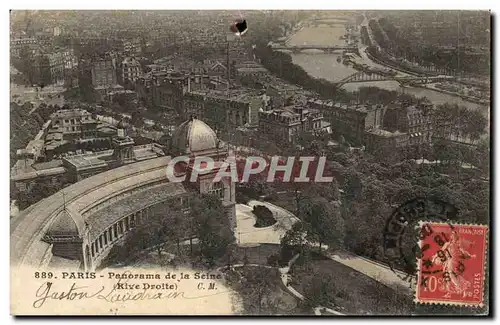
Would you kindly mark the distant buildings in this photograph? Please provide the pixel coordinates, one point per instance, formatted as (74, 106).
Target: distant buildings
(417, 121)
(73, 168)
(351, 121)
(287, 122)
(121, 96)
(168, 91)
(379, 139)
(18, 44)
(130, 71)
(132, 47)
(70, 129)
(74, 124)
(63, 65)
(73, 145)
(223, 108)
(250, 70)
(57, 66)
(379, 126)
(104, 73)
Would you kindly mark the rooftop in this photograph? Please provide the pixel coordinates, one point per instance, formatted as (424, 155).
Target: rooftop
(290, 111)
(108, 215)
(243, 95)
(69, 113)
(102, 158)
(332, 104)
(121, 91)
(90, 160)
(384, 133)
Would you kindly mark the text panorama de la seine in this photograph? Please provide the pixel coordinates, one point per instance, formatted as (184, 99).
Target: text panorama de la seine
(129, 276)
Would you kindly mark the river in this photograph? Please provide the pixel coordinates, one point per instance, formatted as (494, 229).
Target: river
(321, 65)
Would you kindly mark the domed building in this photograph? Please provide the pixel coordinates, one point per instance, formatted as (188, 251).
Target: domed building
(195, 137)
(76, 227)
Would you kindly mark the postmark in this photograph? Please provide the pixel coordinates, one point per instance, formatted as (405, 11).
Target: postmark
(402, 234)
(451, 269)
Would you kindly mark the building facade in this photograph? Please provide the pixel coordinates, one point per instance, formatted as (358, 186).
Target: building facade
(415, 120)
(222, 108)
(130, 71)
(290, 121)
(74, 124)
(350, 121)
(103, 73)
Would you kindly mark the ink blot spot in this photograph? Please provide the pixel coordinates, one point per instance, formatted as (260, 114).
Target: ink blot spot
(239, 27)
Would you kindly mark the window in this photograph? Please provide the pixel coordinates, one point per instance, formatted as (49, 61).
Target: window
(218, 189)
(105, 237)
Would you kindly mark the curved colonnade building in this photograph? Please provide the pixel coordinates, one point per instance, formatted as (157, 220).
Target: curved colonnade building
(76, 227)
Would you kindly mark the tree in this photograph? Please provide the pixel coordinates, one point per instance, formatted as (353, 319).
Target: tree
(322, 291)
(476, 124)
(352, 184)
(257, 286)
(323, 221)
(294, 239)
(209, 223)
(159, 224)
(179, 223)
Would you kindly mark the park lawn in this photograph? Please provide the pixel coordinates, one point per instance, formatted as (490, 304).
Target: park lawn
(355, 293)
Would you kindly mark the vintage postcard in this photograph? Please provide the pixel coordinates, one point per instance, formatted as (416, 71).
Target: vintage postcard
(250, 162)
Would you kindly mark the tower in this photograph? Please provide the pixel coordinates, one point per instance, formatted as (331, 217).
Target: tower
(123, 148)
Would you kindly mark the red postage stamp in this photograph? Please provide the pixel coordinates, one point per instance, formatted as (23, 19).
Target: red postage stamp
(451, 267)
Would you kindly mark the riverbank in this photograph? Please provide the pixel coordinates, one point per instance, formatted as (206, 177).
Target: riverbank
(447, 92)
(319, 73)
(388, 65)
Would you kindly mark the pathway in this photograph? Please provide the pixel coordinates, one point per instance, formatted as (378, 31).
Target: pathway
(248, 234)
(375, 270)
(286, 278)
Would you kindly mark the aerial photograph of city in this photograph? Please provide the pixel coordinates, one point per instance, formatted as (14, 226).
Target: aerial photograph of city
(250, 162)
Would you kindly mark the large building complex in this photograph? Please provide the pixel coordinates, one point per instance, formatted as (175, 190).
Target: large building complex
(76, 227)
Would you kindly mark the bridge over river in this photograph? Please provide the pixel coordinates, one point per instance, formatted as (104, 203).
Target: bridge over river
(325, 48)
(370, 76)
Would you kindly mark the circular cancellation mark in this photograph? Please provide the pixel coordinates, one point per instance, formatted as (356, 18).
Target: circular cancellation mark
(403, 232)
